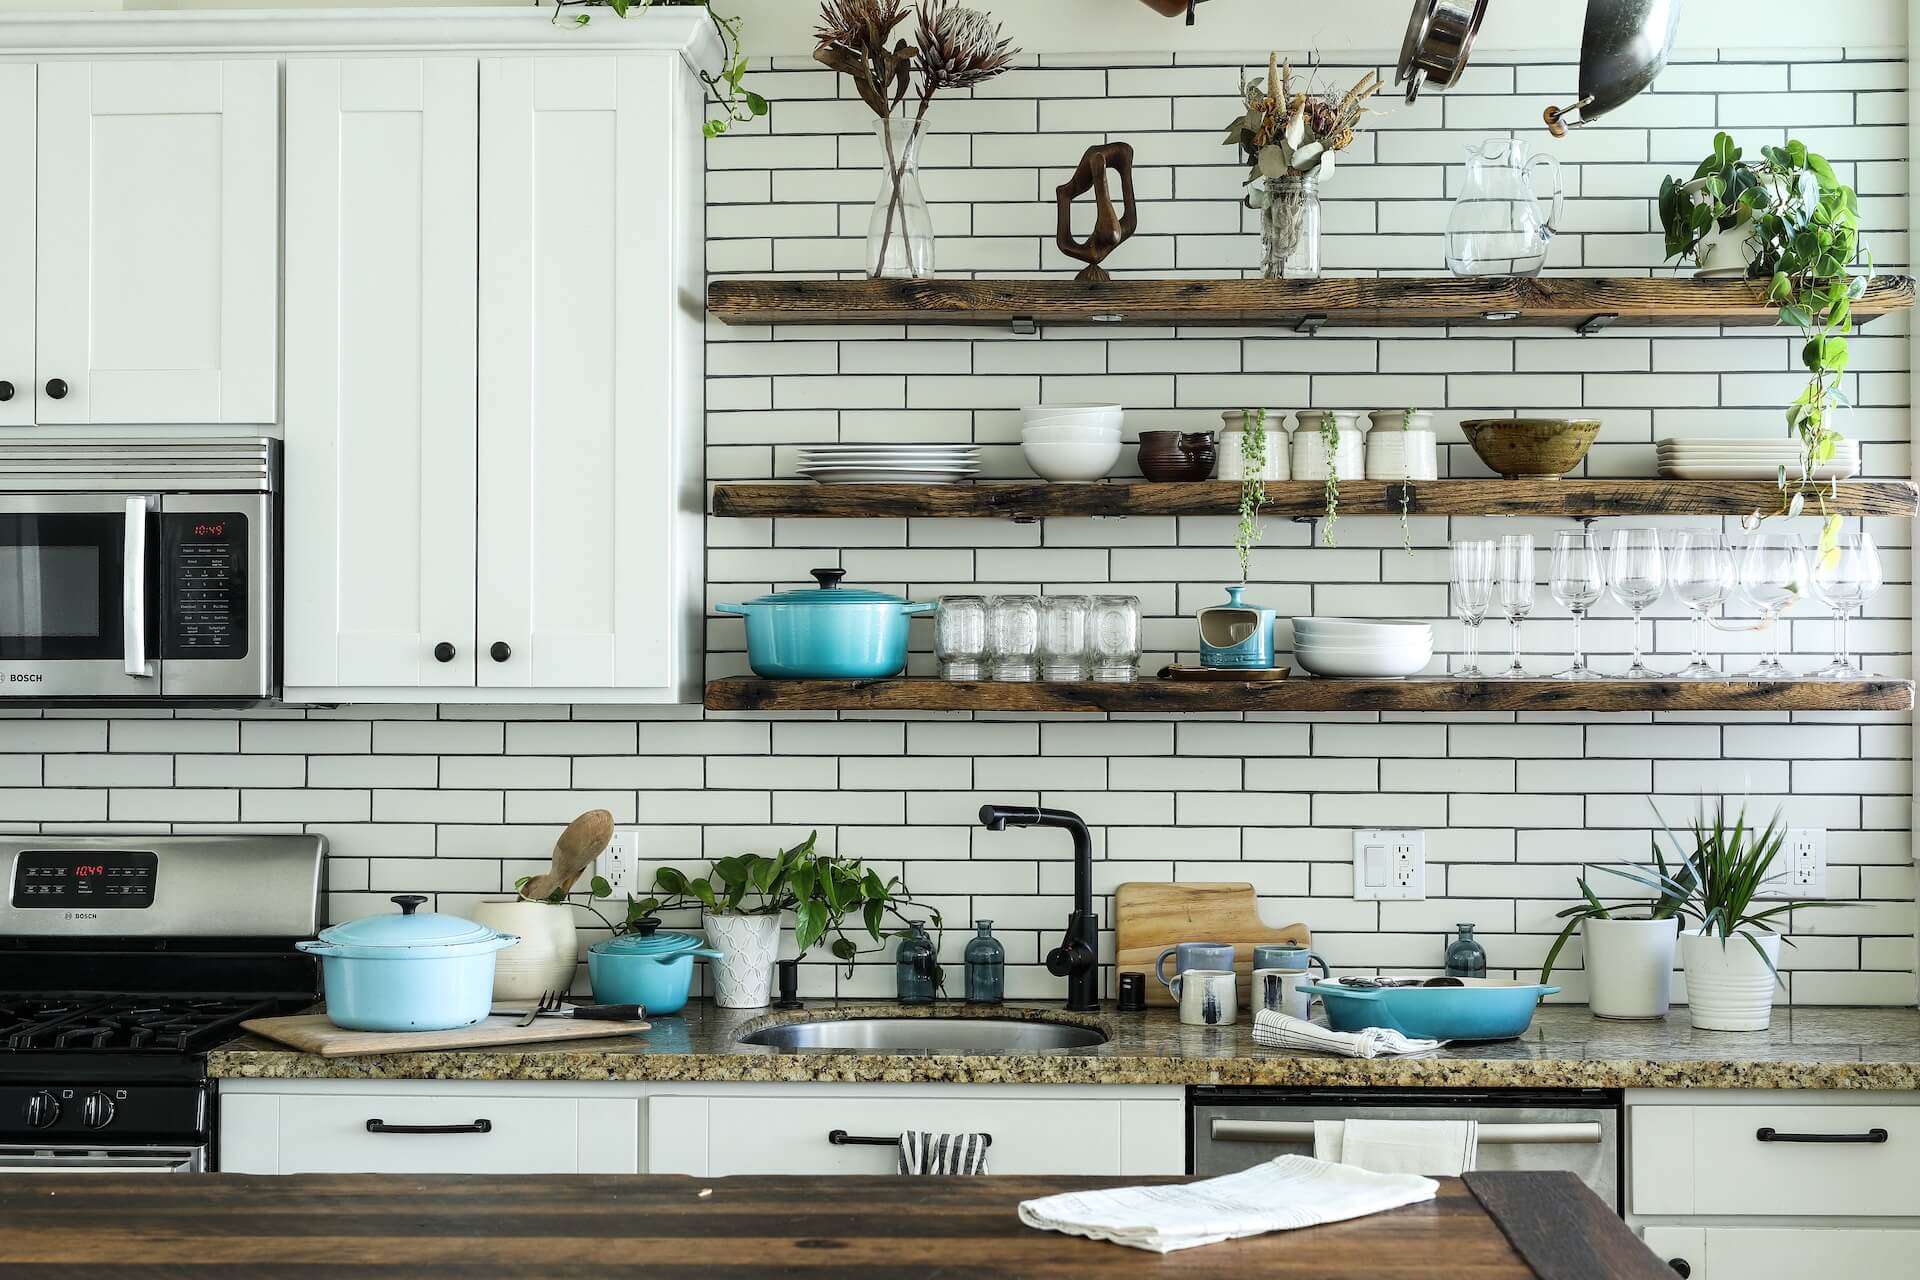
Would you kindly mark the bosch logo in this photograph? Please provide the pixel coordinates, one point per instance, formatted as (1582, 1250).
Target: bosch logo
(81, 915)
(24, 677)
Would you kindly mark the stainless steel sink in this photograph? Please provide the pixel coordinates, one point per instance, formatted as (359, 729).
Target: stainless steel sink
(927, 1035)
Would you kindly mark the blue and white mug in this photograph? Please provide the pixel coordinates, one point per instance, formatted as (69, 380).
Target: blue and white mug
(1193, 955)
(1287, 955)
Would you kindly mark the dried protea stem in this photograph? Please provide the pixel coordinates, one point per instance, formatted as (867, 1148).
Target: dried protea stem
(960, 48)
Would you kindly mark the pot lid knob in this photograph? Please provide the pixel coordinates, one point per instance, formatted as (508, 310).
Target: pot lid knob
(408, 902)
(828, 578)
(647, 927)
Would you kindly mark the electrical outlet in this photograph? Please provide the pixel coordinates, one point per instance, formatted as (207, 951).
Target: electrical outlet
(619, 863)
(1390, 865)
(1802, 866)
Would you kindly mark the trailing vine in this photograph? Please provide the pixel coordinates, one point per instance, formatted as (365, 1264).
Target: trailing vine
(726, 90)
(1253, 485)
(1330, 438)
(1406, 492)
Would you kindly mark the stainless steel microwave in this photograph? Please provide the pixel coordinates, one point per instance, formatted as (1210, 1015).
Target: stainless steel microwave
(136, 569)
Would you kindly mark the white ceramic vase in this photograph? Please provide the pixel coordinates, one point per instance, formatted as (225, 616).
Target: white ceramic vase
(1629, 967)
(748, 946)
(1728, 987)
(547, 955)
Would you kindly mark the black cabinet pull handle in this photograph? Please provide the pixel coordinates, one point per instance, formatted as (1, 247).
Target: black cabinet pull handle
(6, 391)
(501, 651)
(57, 388)
(381, 1126)
(1681, 1267)
(1774, 1135)
(443, 652)
(841, 1138)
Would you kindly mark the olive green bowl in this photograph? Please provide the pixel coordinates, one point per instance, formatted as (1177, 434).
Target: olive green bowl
(1531, 448)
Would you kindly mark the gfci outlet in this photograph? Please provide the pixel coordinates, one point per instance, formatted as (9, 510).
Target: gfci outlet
(1801, 869)
(1390, 865)
(619, 863)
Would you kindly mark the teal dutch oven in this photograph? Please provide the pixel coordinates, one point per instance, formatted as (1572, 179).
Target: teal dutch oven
(646, 967)
(829, 632)
(408, 972)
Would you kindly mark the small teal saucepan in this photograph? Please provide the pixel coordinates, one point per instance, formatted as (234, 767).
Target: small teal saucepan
(1480, 1009)
(827, 633)
(646, 967)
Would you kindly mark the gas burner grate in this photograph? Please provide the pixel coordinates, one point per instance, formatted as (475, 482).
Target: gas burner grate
(122, 1023)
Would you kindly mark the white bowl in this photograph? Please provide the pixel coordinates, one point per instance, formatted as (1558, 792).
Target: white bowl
(1376, 665)
(1104, 418)
(1361, 628)
(1081, 461)
(1071, 435)
(1052, 410)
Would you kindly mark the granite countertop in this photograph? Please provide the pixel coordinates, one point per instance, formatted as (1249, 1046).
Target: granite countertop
(1567, 1047)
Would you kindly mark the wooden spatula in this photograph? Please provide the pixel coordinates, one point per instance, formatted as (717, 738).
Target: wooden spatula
(585, 838)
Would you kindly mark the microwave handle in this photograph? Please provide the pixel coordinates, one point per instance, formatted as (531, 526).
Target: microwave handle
(133, 589)
(1577, 1132)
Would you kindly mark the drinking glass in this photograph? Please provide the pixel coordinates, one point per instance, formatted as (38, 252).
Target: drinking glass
(1773, 575)
(1576, 582)
(1472, 579)
(960, 637)
(1703, 576)
(1513, 590)
(1063, 638)
(1638, 577)
(1013, 638)
(1844, 579)
(1113, 638)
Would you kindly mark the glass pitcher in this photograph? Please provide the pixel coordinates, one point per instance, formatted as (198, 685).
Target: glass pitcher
(1496, 228)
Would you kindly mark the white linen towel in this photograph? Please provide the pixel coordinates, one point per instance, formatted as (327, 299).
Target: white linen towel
(942, 1155)
(1435, 1148)
(1284, 1194)
(1281, 1031)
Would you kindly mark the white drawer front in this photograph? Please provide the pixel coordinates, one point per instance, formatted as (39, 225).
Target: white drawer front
(1785, 1253)
(319, 1134)
(1710, 1160)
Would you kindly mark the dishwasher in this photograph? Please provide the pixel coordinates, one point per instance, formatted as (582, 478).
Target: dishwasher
(1563, 1130)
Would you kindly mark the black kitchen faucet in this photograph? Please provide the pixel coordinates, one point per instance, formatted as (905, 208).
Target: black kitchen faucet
(1077, 958)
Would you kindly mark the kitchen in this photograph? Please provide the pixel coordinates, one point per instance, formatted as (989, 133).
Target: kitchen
(514, 380)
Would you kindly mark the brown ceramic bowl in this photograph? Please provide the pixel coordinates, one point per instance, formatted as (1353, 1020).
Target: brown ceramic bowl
(1531, 448)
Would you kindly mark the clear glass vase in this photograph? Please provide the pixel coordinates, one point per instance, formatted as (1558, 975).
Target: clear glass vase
(1290, 228)
(900, 230)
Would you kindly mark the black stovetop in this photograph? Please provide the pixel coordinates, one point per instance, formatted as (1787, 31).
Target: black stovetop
(181, 1024)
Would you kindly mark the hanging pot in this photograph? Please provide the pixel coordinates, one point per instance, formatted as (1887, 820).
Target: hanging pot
(410, 972)
(1622, 50)
(1439, 38)
(829, 632)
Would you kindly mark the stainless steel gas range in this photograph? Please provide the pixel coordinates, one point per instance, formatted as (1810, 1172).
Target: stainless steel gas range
(122, 961)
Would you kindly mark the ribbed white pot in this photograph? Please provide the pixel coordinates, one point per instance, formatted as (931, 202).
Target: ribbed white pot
(1629, 967)
(1728, 987)
(545, 958)
(743, 976)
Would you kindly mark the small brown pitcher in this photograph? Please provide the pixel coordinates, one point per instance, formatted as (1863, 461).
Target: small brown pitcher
(1168, 456)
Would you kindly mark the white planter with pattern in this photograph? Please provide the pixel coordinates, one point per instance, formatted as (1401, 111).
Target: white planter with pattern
(743, 976)
(1729, 988)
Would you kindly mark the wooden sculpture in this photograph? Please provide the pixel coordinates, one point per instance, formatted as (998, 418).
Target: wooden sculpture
(1109, 231)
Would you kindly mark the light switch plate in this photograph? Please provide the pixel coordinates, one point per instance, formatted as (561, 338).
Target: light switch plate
(1800, 871)
(619, 863)
(1390, 865)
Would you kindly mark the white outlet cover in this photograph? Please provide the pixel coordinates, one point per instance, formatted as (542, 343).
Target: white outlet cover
(1801, 869)
(619, 863)
(1389, 865)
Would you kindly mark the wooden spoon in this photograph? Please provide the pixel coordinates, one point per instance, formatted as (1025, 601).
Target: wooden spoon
(585, 838)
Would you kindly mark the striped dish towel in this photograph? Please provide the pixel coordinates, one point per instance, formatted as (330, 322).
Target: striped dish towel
(1282, 1032)
(943, 1155)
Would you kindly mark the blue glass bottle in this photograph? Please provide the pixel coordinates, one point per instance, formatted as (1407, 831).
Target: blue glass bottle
(986, 966)
(914, 965)
(1466, 958)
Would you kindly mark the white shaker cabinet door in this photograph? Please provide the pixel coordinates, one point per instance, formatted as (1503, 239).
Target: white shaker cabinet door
(589, 194)
(16, 244)
(382, 159)
(158, 242)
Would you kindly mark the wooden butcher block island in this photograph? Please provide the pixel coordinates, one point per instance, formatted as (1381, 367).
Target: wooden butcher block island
(1500, 1226)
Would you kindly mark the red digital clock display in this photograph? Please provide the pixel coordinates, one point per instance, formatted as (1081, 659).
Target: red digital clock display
(206, 530)
(84, 872)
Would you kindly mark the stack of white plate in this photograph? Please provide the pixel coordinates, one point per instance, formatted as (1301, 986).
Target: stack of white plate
(890, 463)
(1362, 647)
(1071, 441)
(1706, 458)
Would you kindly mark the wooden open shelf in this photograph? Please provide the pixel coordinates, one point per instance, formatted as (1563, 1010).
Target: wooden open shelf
(1566, 302)
(1306, 694)
(1305, 499)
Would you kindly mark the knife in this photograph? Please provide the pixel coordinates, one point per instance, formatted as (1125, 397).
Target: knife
(582, 1012)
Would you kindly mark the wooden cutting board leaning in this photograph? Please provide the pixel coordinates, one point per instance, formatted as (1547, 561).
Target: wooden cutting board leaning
(312, 1033)
(1149, 917)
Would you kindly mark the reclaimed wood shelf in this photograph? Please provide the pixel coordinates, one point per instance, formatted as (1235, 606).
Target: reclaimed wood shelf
(1307, 694)
(1583, 303)
(1032, 500)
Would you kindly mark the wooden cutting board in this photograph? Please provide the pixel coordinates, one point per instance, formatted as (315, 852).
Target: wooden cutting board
(312, 1033)
(1149, 917)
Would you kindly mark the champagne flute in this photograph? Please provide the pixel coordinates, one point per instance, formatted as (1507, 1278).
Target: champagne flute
(1638, 578)
(1513, 590)
(1703, 576)
(1844, 579)
(1773, 575)
(1576, 582)
(1472, 580)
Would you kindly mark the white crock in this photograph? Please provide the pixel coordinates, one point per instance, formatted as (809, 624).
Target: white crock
(748, 946)
(1728, 988)
(1629, 967)
(547, 954)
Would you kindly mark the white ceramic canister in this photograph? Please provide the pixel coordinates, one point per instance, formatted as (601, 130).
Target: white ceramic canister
(1310, 447)
(547, 955)
(1235, 424)
(748, 946)
(1402, 446)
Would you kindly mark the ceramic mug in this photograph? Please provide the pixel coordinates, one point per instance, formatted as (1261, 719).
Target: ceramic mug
(1287, 955)
(1278, 990)
(1193, 955)
(1206, 996)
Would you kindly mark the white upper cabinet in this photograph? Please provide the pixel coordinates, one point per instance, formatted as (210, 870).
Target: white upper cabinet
(16, 244)
(157, 234)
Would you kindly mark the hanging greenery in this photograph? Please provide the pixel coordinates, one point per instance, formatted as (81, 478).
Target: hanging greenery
(1253, 485)
(732, 101)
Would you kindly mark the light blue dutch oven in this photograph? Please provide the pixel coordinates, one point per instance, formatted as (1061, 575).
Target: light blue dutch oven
(829, 632)
(646, 967)
(410, 972)
(1479, 1009)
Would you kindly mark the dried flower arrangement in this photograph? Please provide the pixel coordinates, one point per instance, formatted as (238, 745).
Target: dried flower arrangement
(1289, 132)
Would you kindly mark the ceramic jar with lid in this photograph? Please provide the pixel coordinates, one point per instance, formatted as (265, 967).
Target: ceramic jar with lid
(1236, 424)
(1402, 446)
(1311, 460)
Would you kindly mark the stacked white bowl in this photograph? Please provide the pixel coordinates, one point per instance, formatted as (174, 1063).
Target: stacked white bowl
(1362, 647)
(1071, 441)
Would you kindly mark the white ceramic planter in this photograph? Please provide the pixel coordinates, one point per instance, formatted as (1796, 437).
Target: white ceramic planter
(547, 954)
(1629, 967)
(1728, 987)
(748, 946)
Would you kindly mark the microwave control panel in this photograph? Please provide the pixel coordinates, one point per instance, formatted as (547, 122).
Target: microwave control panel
(97, 878)
(207, 573)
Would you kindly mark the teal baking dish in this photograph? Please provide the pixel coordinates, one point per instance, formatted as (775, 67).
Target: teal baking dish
(1479, 1009)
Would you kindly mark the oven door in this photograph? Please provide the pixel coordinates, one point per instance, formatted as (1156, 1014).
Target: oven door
(79, 596)
(103, 1159)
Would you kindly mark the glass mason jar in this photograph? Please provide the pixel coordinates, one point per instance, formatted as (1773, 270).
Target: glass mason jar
(1466, 958)
(1113, 639)
(986, 966)
(900, 229)
(913, 965)
(1063, 637)
(1013, 638)
(960, 637)
(1290, 227)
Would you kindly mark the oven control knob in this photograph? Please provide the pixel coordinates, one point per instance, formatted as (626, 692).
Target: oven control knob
(97, 1111)
(42, 1109)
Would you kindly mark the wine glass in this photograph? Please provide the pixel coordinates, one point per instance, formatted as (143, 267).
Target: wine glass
(1472, 592)
(1773, 575)
(1844, 579)
(1703, 575)
(1576, 582)
(1513, 590)
(1638, 577)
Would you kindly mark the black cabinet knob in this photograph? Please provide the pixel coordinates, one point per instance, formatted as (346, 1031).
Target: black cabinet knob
(443, 652)
(6, 392)
(56, 388)
(501, 651)
(1681, 1267)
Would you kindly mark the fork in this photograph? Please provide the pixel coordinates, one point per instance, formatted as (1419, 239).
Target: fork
(549, 1001)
